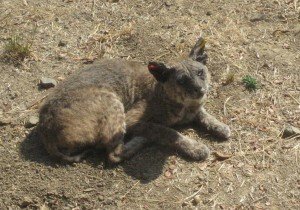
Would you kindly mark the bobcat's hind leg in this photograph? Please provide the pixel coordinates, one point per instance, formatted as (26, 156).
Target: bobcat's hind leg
(126, 151)
(113, 128)
(133, 146)
(116, 147)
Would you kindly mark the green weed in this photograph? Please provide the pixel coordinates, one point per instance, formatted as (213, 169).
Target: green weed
(250, 83)
(15, 50)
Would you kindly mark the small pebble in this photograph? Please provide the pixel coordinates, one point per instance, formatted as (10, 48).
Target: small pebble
(168, 3)
(32, 121)
(101, 198)
(257, 17)
(109, 201)
(47, 83)
(296, 30)
(61, 78)
(290, 130)
(185, 204)
(14, 94)
(26, 202)
(197, 200)
(5, 121)
(62, 43)
(208, 13)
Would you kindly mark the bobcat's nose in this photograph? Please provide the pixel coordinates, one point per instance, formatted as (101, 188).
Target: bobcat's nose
(199, 91)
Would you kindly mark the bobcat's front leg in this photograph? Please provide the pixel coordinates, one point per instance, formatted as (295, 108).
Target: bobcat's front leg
(212, 124)
(159, 134)
(144, 132)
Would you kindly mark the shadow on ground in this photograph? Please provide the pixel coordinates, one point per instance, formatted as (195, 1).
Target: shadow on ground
(146, 165)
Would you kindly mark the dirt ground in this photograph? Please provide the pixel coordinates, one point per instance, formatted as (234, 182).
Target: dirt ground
(259, 169)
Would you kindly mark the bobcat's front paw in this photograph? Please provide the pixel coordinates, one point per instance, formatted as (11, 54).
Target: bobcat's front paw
(199, 152)
(221, 130)
(225, 132)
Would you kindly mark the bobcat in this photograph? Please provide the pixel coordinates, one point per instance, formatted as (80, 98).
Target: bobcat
(114, 99)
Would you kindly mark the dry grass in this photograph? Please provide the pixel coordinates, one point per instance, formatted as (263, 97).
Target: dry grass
(16, 50)
(229, 78)
(258, 168)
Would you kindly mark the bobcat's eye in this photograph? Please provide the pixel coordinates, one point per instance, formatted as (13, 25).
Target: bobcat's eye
(182, 80)
(200, 73)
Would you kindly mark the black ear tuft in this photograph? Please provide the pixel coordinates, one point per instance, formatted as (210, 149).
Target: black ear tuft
(197, 53)
(159, 71)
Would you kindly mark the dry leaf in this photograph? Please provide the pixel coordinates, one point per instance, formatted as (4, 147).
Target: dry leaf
(202, 166)
(168, 174)
(89, 190)
(44, 207)
(221, 157)
(172, 167)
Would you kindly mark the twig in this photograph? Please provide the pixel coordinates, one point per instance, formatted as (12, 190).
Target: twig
(295, 136)
(174, 52)
(176, 187)
(148, 200)
(224, 108)
(5, 15)
(128, 191)
(162, 55)
(259, 199)
(93, 8)
(214, 197)
(193, 195)
(294, 98)
(37, 102)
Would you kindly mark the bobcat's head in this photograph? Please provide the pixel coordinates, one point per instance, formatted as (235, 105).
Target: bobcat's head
(186, 81)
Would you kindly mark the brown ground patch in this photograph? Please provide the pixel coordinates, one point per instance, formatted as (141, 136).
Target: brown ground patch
(260, 38)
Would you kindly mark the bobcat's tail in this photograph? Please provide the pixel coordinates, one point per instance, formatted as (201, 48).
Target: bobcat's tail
(53, 150)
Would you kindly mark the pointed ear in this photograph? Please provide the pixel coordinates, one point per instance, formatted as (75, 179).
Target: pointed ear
(197, 53)
(160, 72)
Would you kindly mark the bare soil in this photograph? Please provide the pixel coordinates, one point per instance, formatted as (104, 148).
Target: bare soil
(255, 169)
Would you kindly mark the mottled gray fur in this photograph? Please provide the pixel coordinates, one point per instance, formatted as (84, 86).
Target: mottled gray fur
(98, 105)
